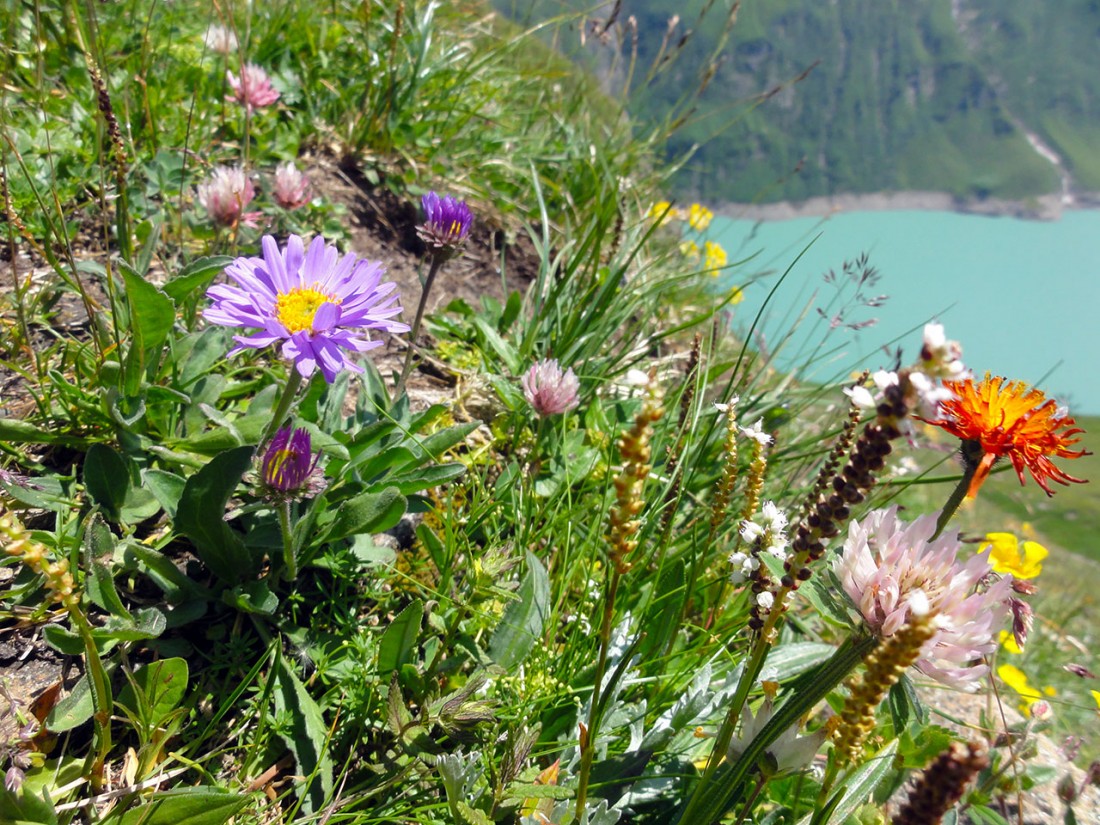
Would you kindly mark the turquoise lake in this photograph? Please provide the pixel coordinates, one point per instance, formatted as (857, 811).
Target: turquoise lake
(1022, 297)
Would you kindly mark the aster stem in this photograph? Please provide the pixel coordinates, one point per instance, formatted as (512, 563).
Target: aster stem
(951, 506)
(290, 563)
(293, 382)
(437, 264)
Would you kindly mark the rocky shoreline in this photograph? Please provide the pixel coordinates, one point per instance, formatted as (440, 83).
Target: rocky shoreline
(1043, 208)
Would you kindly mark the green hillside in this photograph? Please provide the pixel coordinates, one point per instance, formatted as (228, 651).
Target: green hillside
(929, 95)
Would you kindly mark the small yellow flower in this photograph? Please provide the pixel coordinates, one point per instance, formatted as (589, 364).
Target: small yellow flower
(663, 212)
(1017, 680)
(1096, 697)
(699, 217)
(690, 250)
(1007, 556)
(714, 258)
(1008, 642)
(736, 295)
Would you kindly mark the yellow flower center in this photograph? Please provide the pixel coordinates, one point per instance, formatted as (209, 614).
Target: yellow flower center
(297, 308)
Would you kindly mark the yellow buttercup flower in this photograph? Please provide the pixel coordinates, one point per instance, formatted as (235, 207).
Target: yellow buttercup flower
(714, 258)
(1008, 642)
(1007, 555)
(699, 217)
(690, 250)
(663, 211)
(736, 295)
(1096, 697)
(1017, 680)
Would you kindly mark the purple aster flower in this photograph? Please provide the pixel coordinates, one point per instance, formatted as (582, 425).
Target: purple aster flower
(288, 462)
(548, 389)
(310, 300)
(446, 223)
(253, 88)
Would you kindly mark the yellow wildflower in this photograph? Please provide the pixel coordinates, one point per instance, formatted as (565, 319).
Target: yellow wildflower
(1096, 697)
(736, 295)
(663, 212)
(1007, 556)
(1008, 642)
(714, 258)
(699, 217)
(690, 250)
(1017, 680)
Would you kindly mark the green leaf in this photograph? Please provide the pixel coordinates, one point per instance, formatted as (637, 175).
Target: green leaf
(981, 815)
(399, 640)
(497, 344)
(367, 513)
(860, 783)
(26, 808)
(152, 315)
(663, 617)
(162, 685)
(166, 487)
(186, 806)
(253, 597)
(439, 442)
(147, 623)
(74, 709)
(306, 738)
(196, 275)
(99, 551)
(428, 477)
(522, 624)
(793, 659)
(106, 478)
(157, 566)
(201, 515)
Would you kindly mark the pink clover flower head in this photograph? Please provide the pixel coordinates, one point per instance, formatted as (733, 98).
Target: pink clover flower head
(892, 569)
(253, 88)
(288, 462)
(446, 224)
(225, 194)
(309, 300)
(549, 390)
(292, 188)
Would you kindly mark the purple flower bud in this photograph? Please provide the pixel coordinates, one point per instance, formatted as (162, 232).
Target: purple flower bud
(13, 779)
(548, 389)
(446, 223)
(1021, 620)
(1079, 670)
(1067, 789)
(288, 461)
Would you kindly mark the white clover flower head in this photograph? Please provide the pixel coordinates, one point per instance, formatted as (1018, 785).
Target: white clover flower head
(756, 433)
(220, 39)
(891, 569)
(225, 194)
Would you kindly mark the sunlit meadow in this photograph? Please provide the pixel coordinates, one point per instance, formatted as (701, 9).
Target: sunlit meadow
(376, 449)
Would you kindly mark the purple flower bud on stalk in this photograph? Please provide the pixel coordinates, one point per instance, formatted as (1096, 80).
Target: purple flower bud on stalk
(446, 224)
(288, 462)
(548, 389)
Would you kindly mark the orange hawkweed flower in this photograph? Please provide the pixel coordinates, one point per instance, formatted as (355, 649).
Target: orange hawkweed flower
(998, 418)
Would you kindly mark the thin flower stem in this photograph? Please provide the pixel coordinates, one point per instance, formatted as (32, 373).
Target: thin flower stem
(293, 381)
(953, 501)
(437, 264)
(290, 563)
(588, 748)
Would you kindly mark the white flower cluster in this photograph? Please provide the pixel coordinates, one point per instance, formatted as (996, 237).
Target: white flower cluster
(769, 528)
(757, 434)
(939, 360)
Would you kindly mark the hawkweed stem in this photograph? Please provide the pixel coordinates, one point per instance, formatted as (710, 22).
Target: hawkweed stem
(282, 408)
(956, 498)
(436, 265)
